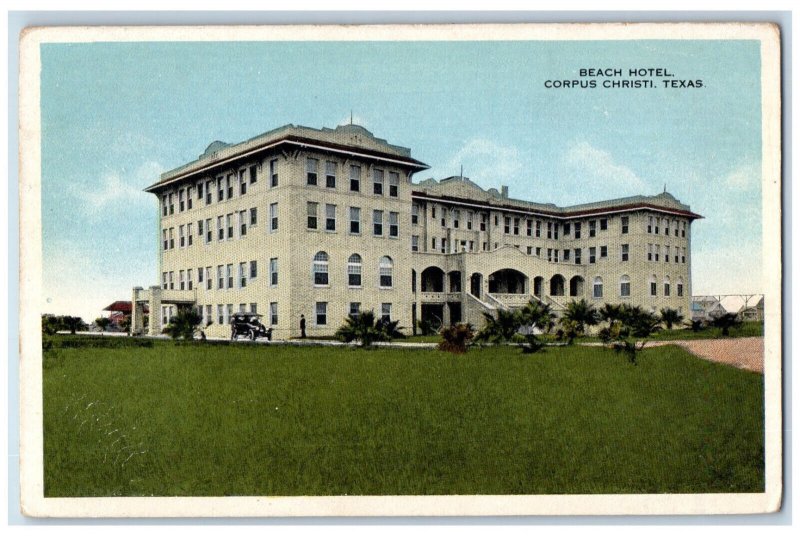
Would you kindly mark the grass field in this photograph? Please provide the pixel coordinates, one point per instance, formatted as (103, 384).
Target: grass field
(133, 417)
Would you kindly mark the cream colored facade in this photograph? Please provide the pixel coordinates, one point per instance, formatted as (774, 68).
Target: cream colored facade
(325, 223)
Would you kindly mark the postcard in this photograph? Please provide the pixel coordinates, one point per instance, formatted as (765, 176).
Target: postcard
(402, 270)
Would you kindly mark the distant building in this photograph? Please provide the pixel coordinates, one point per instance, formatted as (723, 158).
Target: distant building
(328, 223)
(119, 313)
(753, 313)
(707, 308)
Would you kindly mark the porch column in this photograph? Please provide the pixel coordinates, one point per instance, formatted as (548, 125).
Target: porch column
(155, 311)
(446, 315)
(137, 313)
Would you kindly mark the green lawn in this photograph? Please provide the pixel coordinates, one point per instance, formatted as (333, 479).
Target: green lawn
(133, 417)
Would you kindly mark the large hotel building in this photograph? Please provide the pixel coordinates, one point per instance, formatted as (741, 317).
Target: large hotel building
(328, 223)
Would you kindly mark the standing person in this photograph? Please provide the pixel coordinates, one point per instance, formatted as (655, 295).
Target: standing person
(302, 327)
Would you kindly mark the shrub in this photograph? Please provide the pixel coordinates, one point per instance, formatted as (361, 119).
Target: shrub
(362, 328)
(727, 322)
(425, 327)
(632, 323)
(455, 338)
(670, 317)
(184, 324)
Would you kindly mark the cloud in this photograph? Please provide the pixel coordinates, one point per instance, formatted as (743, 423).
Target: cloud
(117, 188)
(596, 166)
(746, 176)
(485, 162)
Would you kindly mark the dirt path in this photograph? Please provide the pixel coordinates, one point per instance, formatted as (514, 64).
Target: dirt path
(742, 352)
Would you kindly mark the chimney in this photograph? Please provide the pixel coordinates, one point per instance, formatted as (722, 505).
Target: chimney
(504, 192)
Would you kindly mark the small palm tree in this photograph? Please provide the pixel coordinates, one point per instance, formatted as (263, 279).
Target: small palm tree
(362, 328)
(102, 323)
(610, 312)
(727, 322)
(670, 317)
(578, 315)
(184, 324)
(500, 328)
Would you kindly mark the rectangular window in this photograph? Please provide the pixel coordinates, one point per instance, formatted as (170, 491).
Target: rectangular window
(394, 226)
(229, 311)
(507, 225)
(565, 255)
(181, 236)
(189, 234)
(414, 243)
(470, 216)
(683, 256)
(592, 228)
(253, 269)
(273, 313)
(433, 243)
(199, 228)
(220, 277)
(604, 224)
(354, 274)
(549, 255)
(577, 230)
(592, 255)
(229, 184)
(165, 239)
(394, 183)
(414, 214)
(649, 252)
(220, 228)
(666, 253)
(578, 256)
(181, 200)
(189, 197)
(254, 216)
(330, 217)
(516, 226)
(683, 229)
(311, 171)
(229, 224)
(171, 238)
(229, 275)
(444, 217)
(164, 280)
(171, 280)
(355, 309)
(666, 289)
(456, 218)
(377, 222)
(658, 252)
(220, 315)
(200, 275)
(603, 252)
(171, 203)
(625, 252)
(242, 274)
(649, 224)
(377, 181)
(653, 288)
(273, 173)
(209, 231)
(550, 230)
(484, 221)
(273, 217)
(624, 220)
(625, 288)
(355, 178)
(242, 307)
(680, 289)
(209, 318)
(538, 252)
(567, 229)
(253, 175)
(321, 313)
(209, 192)
(164, 206)
(209, 279)
(555, 255)
(386, 312)
(242, 223)
(330, 174)
(538, 229)
(242, 182)
(355, 220)
(311, 215)
(273, 272)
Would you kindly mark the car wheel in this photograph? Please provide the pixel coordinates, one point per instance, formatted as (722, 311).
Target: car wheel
(252, 335)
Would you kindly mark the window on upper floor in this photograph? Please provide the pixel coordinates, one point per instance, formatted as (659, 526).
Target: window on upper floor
(624, 286)
(253, 174)
(354, 270)
(355, 220)
(320, 268)
(592, 228)
(377, 181)
(242, 181)
(414, 214)
(220, 189)
(311, 171)
(414, 243)
(273, 173)
(604, 224)
(229, 184)
(311, 215)
(273, 217)
(330, 174)
(273, 272)
(394, 225)
(377, 222)
(385, 268)
(624, 221)
(624, 251)
(394, 183)
(355, 178)
(592, 255)
(330, 217)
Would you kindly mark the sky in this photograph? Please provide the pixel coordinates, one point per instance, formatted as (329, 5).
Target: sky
(116, 115)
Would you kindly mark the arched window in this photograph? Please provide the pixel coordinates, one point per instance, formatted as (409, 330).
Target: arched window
(680, 286)
(653, 286)
(666, 286)
(625, 286)
(320, 268)
(597, 288)
(354, 270)
(385, 272)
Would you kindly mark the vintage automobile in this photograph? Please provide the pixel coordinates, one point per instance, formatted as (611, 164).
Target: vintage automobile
(248, 324)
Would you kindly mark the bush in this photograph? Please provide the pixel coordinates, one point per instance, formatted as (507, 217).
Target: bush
(364, 329)
(425, 327)
(184, 324)
(727, 322)
(455, 338)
